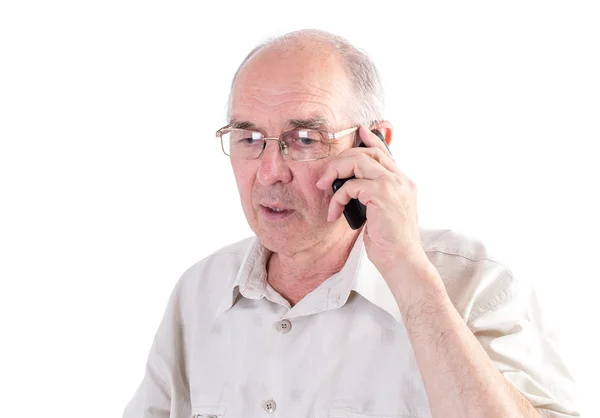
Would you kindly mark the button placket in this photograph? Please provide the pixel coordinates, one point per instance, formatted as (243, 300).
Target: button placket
(282, 327)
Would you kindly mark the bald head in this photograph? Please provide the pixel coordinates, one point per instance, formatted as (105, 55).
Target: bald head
(321, 55)
(295, 74)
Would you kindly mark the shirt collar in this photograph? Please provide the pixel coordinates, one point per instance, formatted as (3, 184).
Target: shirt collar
(358, 274)
(251, 279)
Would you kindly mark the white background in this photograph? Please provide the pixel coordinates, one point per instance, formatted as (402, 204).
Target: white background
(112, 182)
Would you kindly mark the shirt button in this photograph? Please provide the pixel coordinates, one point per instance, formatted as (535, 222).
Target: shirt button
(270, 406)
(284, 326)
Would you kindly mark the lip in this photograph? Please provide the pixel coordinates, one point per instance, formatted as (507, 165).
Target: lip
(270, 215)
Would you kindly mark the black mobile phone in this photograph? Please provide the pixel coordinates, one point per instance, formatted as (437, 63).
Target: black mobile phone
(355, 212)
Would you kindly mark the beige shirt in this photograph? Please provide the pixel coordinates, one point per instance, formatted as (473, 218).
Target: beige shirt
(230, 346)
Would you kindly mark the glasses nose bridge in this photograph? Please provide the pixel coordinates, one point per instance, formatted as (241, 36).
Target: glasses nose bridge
(282, 145)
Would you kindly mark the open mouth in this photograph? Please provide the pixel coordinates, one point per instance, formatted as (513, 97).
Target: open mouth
(276, 210)
(275, 213)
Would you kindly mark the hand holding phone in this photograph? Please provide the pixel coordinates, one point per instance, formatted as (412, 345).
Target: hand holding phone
(355, 212)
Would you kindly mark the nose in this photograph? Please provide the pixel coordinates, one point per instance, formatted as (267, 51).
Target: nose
(273, 165)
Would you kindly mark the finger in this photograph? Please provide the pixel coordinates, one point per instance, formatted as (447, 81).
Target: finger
(359, 165)
(383, 157)
(373, 141)
(377, 154)
(361, 189)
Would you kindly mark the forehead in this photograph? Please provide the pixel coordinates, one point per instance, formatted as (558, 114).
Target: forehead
(276, 88)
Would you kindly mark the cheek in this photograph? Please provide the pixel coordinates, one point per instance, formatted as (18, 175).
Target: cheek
(315, 197)
(244, 174)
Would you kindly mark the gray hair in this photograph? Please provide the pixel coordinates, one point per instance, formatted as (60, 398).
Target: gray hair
(364, 76)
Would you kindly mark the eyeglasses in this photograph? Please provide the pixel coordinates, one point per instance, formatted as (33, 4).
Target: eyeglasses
(297, 145)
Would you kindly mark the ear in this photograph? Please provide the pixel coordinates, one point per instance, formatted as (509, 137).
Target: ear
(385, 127)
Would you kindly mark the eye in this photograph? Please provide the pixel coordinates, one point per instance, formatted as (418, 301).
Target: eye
(249, 140)
(246, 137)
(305, 140)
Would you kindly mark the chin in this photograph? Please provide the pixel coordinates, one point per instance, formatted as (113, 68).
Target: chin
(279, 243)
(282, 238)
(289, 237)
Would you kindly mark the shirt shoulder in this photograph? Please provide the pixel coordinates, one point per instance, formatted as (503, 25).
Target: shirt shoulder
(230, 256)
(475, 281)
(212, 276)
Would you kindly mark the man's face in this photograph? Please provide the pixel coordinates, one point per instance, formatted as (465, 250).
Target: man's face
(273, 88)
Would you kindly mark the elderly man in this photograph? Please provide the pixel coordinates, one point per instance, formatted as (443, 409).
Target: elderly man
(313, 318)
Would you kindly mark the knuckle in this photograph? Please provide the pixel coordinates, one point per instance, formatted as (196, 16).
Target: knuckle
(389, 187)
(364, 157)
(376, 153)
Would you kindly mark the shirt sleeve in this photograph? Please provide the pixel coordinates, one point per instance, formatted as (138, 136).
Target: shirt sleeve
(162, 392)
(525, 354)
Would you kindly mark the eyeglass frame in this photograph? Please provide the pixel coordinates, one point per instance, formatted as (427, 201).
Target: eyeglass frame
(282, 146)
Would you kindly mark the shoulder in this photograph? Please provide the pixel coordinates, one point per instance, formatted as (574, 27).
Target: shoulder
(216, 272)
(476, 281)
(453, 243)
(231, 255)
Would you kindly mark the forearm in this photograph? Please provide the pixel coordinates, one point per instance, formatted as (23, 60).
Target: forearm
(459, 377)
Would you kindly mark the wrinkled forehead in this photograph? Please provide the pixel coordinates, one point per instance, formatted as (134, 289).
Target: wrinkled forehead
(291, 86)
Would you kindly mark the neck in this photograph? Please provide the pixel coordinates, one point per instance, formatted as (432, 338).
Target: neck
(295, 275)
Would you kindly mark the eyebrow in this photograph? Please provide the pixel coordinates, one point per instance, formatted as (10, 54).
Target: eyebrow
(316, 122)
(242, 124)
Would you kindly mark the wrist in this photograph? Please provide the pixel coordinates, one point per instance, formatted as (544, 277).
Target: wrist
(409, 267)
(414, 279)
